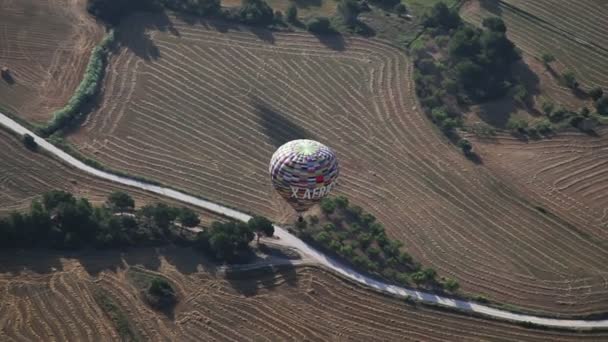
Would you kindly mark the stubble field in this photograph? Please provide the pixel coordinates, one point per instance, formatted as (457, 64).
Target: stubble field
(46, 46)
(201, 107)
(56, 298)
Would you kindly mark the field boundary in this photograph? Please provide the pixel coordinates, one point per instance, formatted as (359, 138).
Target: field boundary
(291, 240)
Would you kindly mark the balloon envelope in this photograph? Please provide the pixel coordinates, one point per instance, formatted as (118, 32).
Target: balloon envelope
(303, 172)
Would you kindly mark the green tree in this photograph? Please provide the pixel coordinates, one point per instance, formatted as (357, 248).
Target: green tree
(256, 12)
(54, 198)
(261, 225)
(518, 125)
(400, 9)
(341, 202)
(29, 142)
(521, 94)
(292, 13)
(494, 24)
(161, 287)
(548, 107)
(465, 145)
(120, 201)
(570, 79)
(602, 105)
(547, 59)
(443, 17)
(319, 25)
(328, 206)
(596, 93)
(544, 127)
(349, 10)
(451, 285)
(188, 218)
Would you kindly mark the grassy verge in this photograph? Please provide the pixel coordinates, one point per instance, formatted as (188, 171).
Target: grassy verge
(86, 91)
(117, 316)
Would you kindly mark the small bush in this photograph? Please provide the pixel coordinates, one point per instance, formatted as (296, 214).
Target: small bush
(517, 125)
(29, 142)
(465, 146)
(160, 294)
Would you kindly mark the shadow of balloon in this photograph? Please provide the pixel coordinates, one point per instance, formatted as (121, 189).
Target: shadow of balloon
(277, 126)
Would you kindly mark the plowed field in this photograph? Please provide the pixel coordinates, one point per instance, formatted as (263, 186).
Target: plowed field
(575, 33)
(49, 296)
(202, 108)
(46, 45)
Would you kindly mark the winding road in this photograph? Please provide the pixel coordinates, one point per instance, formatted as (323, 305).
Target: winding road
(292, 241)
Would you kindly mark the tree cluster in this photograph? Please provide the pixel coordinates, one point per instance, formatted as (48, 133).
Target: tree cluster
(355, 236)
(480, 61)
(256, 12)
(61, 220)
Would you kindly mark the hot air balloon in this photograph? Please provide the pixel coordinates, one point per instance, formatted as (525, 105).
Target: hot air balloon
(303, 172)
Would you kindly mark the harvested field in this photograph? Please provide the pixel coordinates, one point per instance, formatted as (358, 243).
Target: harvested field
(46, 46)
(577, 35)
(202, 108)
(567, 174)
(25, 175)
(50, 295)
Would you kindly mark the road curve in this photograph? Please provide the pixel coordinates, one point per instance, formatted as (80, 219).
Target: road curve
(291, 240)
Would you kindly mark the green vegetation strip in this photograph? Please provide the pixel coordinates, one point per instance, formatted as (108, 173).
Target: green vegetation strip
(86, 90)
(120, 320)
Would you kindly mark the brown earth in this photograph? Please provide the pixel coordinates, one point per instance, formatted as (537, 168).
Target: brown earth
(49, 296)
(26, 175)
(202, 107)
(46, 46)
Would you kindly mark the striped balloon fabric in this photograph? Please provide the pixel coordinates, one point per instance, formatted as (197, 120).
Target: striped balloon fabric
(303, 172)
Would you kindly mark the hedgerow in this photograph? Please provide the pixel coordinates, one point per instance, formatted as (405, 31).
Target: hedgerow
(85, 92)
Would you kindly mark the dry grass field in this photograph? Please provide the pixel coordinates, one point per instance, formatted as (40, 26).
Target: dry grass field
(55, 297)
(202, 107)
(26, 175)
(46, 45)
(575, 33)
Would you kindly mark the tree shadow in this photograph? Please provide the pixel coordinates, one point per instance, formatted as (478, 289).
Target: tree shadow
(277, 127)
(137, 38)
(249, 282)
(263, 34)
(188, 260)
(334, 41)
(474, 157)
(8, 78)
(492, 6)
(41, 261)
